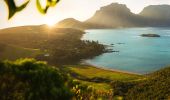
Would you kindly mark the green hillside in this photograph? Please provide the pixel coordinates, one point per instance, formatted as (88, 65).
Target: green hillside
(66, 50)
(155, 87)
(12, 52)
(88, 83)
(61, 45)
(98, 78)
(95, 74)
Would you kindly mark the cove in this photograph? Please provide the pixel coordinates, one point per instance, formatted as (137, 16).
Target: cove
(136, 53)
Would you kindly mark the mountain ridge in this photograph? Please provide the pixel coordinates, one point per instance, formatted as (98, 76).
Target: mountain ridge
(119, 15)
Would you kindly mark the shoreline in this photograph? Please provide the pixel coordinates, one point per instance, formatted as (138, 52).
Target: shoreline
(108, 69)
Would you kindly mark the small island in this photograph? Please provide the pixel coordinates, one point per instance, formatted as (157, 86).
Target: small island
(150, 35)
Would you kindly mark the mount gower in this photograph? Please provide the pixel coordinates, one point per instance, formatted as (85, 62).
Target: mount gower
(118, 15)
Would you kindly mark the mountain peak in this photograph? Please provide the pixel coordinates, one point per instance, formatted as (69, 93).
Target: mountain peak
(70, 23)
(156, 12)
(111, 16)
(115, 7)
(118, 15)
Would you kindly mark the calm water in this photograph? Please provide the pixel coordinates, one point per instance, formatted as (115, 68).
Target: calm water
(137, 54)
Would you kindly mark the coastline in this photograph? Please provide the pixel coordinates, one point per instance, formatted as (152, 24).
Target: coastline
(84, 62)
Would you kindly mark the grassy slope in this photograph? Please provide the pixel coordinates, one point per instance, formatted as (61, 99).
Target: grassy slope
(92, 72)
(98, 86)
(86, 75)
(35, 36)
(12, 52)
(21, 42)
(155, 87)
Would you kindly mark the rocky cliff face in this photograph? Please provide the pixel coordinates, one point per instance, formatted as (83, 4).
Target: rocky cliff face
(113, 15)
(156, 15)
(157, 12)
(118, 15)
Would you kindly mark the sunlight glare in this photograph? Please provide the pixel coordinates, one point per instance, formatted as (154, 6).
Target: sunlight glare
(50, 22)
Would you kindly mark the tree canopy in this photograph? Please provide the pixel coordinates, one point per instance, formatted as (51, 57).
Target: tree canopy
(28, 79)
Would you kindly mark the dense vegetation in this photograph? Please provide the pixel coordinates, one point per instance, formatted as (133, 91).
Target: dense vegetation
(155, 86)
(28, 79)
(57, 46)
(72, 51)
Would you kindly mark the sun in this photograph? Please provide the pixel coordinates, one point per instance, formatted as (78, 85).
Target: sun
(50, 22)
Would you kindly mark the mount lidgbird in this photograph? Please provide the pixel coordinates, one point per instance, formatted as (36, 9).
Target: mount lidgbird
(118, 15)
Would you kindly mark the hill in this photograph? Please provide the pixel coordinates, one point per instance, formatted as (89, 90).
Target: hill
(75, 24)
(156, 15)
(156, 86)
(64, 46)
(72, 23)
(12, 52)
(58, 45)
(156, 12)
(113, 16)
(35, 36)
(30, 79)
(16, 77)
(118, 15)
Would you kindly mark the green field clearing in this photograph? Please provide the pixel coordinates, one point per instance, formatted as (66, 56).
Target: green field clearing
(12, 52)
(92, 72)
(84, 73)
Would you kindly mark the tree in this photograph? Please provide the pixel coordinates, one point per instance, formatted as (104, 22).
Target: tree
(28, 79)
(13, 9)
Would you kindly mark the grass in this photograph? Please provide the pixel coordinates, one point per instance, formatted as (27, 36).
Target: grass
(12, 52)
(97, 86)
(92, 72)
(89, 72)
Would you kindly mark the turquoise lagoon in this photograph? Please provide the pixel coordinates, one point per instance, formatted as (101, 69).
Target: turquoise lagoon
(136, 54)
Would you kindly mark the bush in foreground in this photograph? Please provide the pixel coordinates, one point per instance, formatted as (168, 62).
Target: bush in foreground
(28, 79)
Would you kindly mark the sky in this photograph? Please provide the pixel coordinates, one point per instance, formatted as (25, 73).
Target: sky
(78, 9)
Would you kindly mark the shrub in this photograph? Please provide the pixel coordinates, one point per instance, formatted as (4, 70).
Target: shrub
(28, 79)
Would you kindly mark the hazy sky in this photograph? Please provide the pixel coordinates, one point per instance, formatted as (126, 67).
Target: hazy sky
(79, 9)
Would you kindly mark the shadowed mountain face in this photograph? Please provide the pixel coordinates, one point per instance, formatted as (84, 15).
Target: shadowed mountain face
(114, 15)
(156, 15)
(157, 12)
(118, 15)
